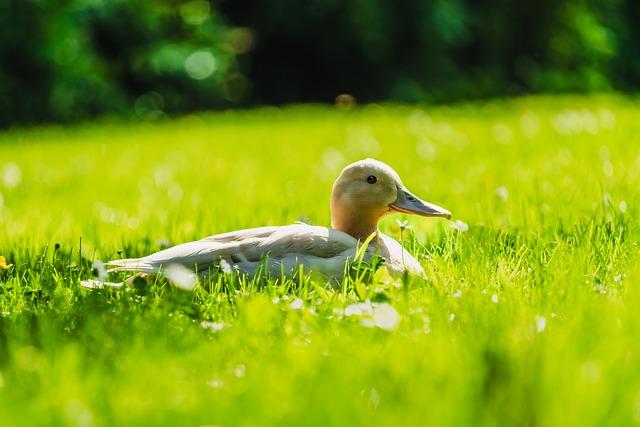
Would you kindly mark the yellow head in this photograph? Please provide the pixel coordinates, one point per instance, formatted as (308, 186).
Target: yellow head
(366, 191)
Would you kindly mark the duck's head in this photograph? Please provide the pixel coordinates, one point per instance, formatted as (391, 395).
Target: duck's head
(366, 191)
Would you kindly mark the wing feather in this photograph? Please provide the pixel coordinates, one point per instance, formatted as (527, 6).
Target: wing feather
(315, 247)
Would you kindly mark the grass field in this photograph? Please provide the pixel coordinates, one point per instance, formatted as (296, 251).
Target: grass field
(530, 316)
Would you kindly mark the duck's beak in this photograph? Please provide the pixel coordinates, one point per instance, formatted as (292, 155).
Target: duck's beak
(408, 203)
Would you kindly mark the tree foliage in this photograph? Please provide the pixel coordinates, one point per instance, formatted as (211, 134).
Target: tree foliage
(66, 60)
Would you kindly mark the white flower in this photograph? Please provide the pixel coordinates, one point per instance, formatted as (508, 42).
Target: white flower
(215, 383)
(623, 206)
(182, 277)
(11, 175)
(426, 326)
(600, 289)
(494, 298)
(212, 326)
(403, 224)
(225, 267)
(240, 371)
(385, 317)
(98, 269)
(541, 323)
(502, 193)
(99, 284)
(359, 309)
(461, 226)
(296, 304)
(379, 315)
(457, 294)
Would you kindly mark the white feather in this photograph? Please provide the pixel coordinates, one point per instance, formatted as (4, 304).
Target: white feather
(320, 249)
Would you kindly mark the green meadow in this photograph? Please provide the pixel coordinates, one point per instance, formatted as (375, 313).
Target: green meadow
(530, 314)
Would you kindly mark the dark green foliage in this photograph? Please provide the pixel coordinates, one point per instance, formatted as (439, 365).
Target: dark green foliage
(76, 59)
(73, 59)
(438, 50)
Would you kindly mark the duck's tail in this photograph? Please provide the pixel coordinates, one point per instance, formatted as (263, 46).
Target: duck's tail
(131, 264)
(99, 284)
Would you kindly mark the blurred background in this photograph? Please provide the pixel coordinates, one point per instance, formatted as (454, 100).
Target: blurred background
(72, 60)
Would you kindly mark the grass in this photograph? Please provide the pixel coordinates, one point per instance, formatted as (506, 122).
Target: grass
(529, 317)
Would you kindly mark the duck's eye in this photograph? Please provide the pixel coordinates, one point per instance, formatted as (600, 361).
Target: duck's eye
(372, 179)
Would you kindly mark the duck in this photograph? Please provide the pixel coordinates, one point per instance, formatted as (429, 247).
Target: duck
(364, 192)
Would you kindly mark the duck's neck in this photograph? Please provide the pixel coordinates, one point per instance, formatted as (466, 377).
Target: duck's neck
(353, 218)
(359, 229)
(360, 233)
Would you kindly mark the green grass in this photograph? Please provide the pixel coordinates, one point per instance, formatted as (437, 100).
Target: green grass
(528, 318)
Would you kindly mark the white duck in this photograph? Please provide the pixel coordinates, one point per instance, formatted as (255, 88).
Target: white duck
(364, 192)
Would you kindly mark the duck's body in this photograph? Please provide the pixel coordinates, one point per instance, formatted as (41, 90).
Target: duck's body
(364, 192)
(281, 250)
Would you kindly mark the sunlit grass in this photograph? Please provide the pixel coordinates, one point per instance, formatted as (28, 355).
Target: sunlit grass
(529, 316)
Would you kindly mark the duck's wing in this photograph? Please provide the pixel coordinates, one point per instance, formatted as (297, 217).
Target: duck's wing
(318, 249)
(397, 258)
(283, 247)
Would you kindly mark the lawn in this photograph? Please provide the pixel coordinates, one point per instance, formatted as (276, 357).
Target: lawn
(530, 314)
